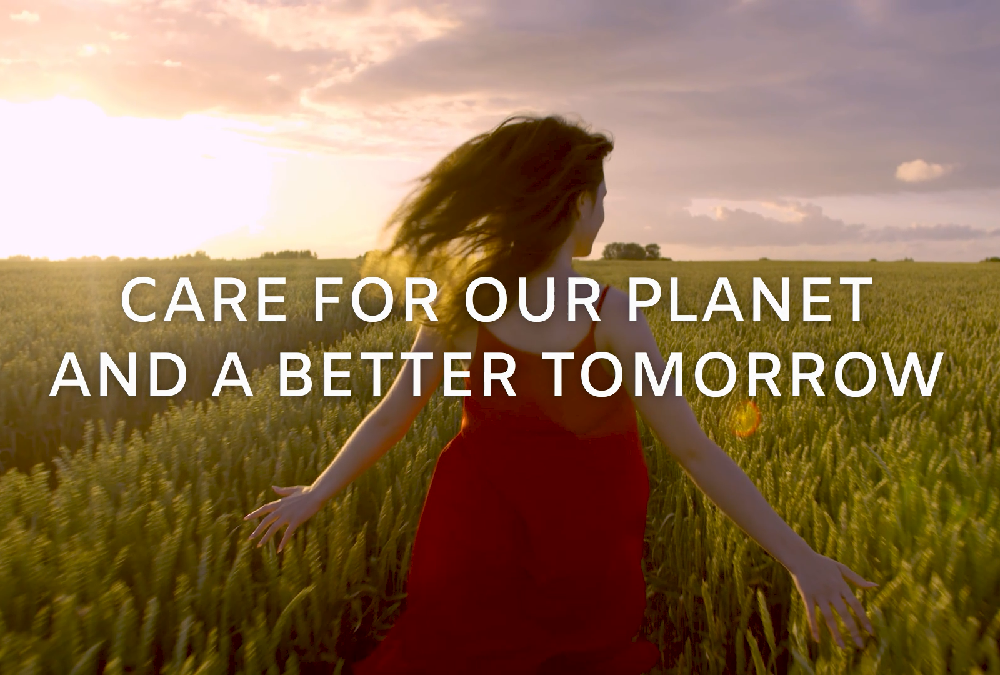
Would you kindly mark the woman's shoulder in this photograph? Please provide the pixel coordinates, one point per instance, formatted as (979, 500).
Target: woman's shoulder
(615, 325)
(615, 303)
(465, 338)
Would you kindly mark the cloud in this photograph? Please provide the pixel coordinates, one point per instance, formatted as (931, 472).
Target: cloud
(917, 232)
(25, 17)
(90, 50)
(373, 32)
(730, 100)
(919, 171)
(807, 226)
(226, 49)
(740, 227)
(713, 98)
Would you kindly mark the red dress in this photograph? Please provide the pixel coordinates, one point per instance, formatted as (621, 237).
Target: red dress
(528, 552)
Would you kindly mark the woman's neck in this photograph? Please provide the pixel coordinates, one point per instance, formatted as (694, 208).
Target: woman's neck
(560, 266)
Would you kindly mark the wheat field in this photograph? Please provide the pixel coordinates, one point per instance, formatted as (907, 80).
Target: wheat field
(129, 553)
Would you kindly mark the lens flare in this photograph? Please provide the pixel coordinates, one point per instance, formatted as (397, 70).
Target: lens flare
(745, 419)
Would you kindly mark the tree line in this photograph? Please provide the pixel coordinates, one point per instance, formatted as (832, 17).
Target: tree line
(631, 251)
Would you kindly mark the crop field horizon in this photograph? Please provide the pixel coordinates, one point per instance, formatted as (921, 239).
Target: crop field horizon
(123, 547)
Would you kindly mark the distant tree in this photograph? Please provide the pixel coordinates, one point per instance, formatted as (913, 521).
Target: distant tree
(198, 255)
(652, 251)
(993, 258)
(284, 255)
(621, 251)
(19, 258)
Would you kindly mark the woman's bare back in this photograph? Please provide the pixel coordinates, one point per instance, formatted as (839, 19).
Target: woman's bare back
(555, 334)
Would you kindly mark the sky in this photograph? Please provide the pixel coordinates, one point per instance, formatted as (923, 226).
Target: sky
(792, 129)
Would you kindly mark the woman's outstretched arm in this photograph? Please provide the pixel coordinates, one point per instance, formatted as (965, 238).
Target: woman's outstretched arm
(820, 580)
(381, 429)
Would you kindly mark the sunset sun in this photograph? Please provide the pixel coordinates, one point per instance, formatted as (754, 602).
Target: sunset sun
(78, 182)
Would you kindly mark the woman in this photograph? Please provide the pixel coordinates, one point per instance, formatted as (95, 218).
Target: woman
(528, 553)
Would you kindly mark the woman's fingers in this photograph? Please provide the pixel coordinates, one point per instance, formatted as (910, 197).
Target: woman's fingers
(288, 535)
(859, 612)
(263, 524)
(852, 626)
(275, 519)
(262, 510)
(811, 615)
(824, 607)
(271, 532)
(833, 602)
(854, 577)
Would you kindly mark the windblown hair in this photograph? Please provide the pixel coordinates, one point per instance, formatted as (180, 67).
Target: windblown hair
(500, 205)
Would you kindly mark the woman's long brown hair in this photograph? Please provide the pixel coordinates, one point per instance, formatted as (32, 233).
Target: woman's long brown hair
(499, 205)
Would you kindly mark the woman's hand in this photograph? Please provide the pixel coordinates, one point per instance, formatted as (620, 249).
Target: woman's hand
(820, 580)
(297, 505)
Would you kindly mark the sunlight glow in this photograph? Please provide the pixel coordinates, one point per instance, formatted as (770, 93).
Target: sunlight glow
(76, 182)
(745, 419)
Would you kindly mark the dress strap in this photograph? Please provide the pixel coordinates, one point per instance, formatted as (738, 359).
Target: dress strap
(600, 300)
